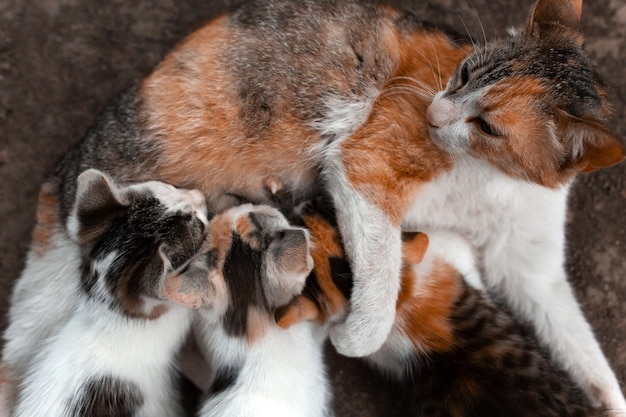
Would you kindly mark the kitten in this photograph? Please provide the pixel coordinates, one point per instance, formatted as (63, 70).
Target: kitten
(251, 264)
(114, 352)
(457, 352)
(279, 91)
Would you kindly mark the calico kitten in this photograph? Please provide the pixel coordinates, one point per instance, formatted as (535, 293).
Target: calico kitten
(251, 264)
(114, 353)
(457, 352)
(280, 90)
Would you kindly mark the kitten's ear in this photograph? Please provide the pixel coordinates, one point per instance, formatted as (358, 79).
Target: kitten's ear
(98, 198)
(560, 12)
(95, 190)
(414, 245)
(194, 286)
(600, 148)
(300, 309)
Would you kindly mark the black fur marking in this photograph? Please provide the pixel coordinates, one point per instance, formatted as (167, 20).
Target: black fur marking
(342, 275)
(312, 290)
(225, 378)
(243, 273)
(107, 397)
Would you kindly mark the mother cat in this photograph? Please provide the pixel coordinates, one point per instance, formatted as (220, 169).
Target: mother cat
(279, 91)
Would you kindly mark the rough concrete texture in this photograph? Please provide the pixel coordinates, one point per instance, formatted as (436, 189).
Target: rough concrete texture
(61, 60)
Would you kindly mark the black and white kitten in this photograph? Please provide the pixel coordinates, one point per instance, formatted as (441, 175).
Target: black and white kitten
(113, 353)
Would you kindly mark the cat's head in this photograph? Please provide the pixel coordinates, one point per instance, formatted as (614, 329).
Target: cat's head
(532, 105)
(252, 261)
(131, 236)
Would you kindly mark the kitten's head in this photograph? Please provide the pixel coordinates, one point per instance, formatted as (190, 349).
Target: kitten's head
(531, 105)
(252, 261)
(132, 236)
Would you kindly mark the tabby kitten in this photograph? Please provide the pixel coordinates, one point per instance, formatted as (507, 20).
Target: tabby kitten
(251, 264)
(275, 93)
(113, 354)
(457, 352)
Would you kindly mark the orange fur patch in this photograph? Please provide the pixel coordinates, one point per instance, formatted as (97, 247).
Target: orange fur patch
(157, 311)
(391, 154)
(258, 323)
(424, 305)
(529, 148)
(219, 236)
(300, 309)
(47, 218)
(414, 247)
(191, 103)
(326, 244)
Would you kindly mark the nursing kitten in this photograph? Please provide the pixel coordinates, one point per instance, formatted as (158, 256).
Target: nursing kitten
(280, 90)
(252, 263)
(455, 350)
(114, 352)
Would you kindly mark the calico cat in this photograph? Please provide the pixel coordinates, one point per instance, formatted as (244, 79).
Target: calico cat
(283, 93)
(251, 264)
(114, 352)
(455, 350)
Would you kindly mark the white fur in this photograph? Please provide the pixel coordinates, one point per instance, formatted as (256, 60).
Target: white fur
(97, 341)
(342, 118)
(371, 241)
(58, 337)
(517, 231)
(43, 297)
(373, 245)
(281, 374)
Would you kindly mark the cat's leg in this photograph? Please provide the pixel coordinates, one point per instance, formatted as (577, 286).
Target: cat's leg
(531, 277)
(373, 244)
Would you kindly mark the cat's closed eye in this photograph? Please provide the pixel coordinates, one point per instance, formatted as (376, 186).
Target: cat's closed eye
(486, 128)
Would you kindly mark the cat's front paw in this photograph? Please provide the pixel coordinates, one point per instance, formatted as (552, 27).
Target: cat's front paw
(612, 400)
(362, 334)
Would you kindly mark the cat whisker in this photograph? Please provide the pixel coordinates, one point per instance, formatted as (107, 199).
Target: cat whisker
(427, 88)
(480, 22)
(436, 77)
(438, 80)
(400, 89)
(474, 44)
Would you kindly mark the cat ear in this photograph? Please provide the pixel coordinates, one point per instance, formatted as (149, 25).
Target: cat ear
(560, 12)
(194, 286)
(414, 245)
(98, 198)
(599, 147)
(300, 309)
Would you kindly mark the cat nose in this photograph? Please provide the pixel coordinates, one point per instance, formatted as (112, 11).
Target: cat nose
(441, 113)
